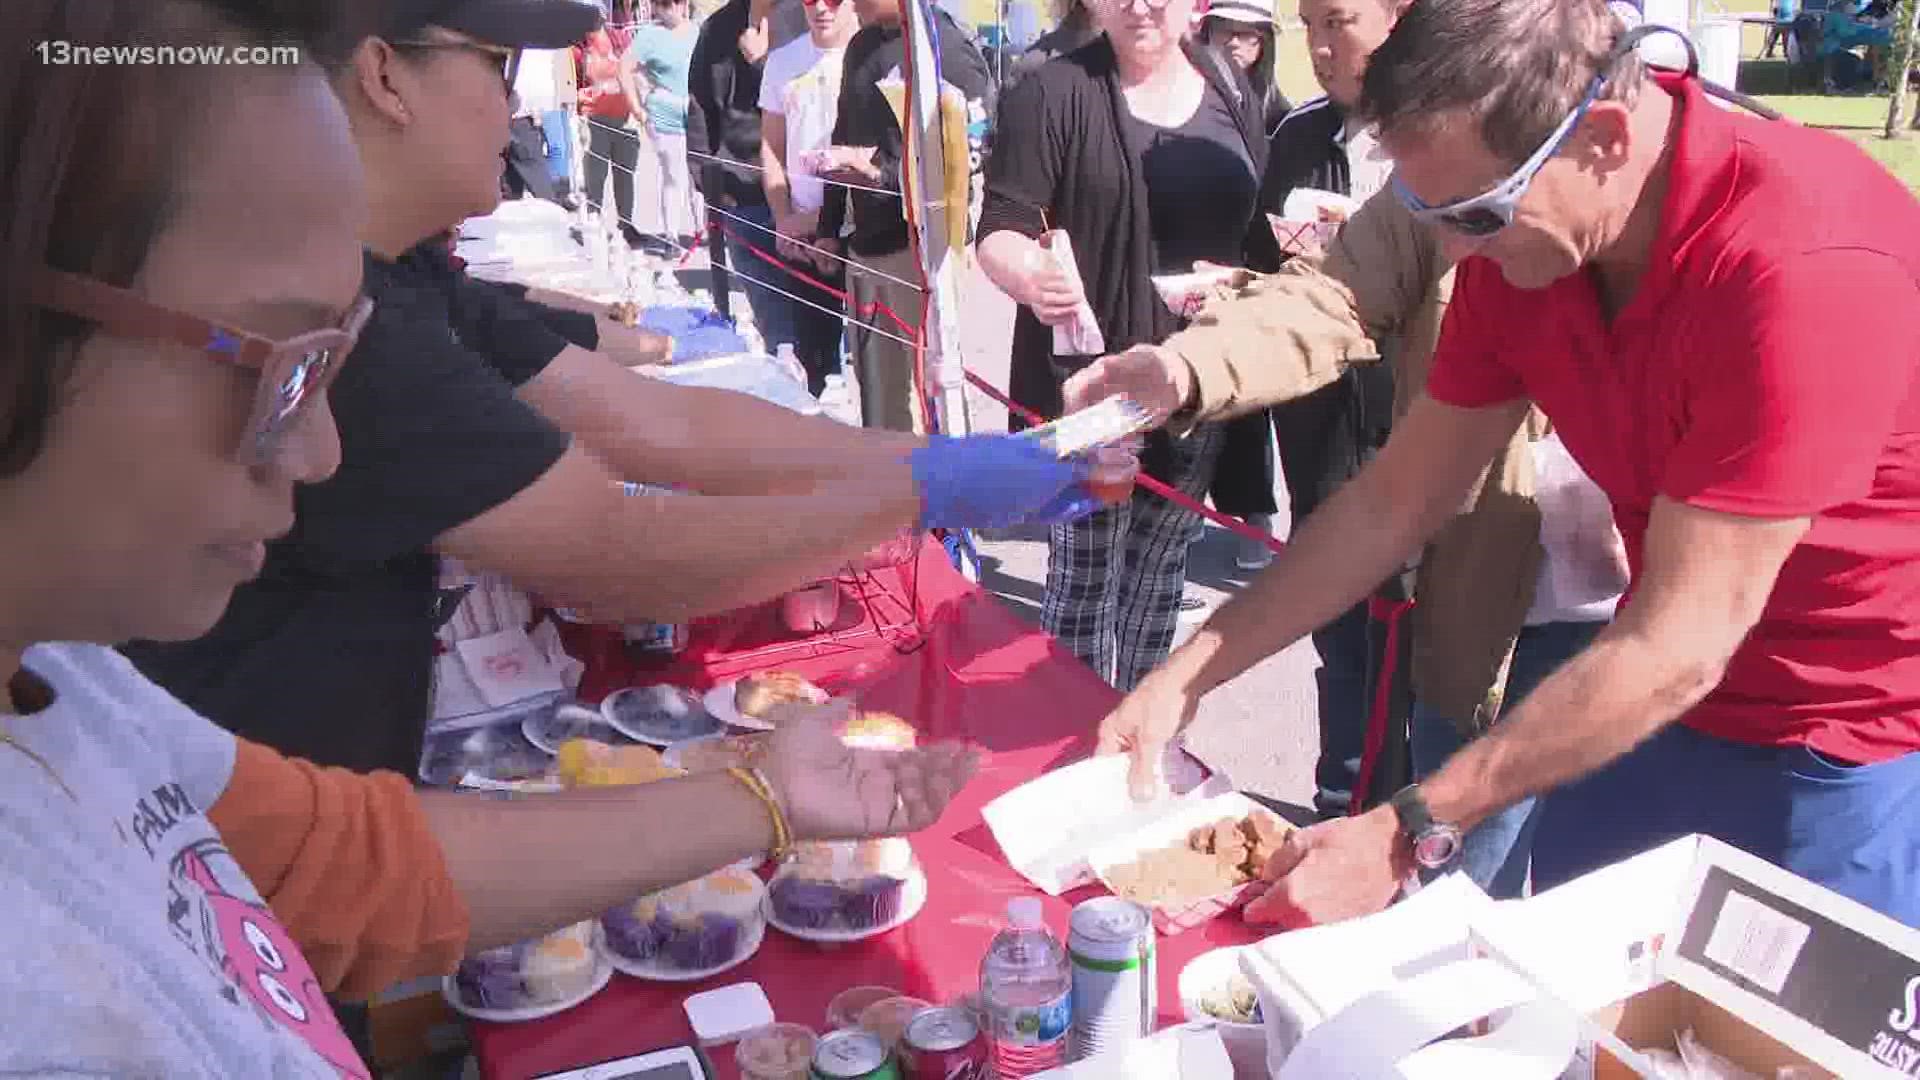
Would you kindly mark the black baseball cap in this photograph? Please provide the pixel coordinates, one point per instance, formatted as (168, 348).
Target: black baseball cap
(512, 24)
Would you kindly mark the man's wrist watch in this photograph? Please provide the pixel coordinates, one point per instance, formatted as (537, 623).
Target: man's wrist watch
(1435, 844)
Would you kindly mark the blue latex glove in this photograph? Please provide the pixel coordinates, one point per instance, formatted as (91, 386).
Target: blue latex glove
(995, 481)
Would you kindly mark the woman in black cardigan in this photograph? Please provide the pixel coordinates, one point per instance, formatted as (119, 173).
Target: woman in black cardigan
(1147, 151)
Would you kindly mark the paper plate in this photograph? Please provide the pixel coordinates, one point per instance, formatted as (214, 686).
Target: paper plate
(911, 901)
(658, 715)
(602, 974)
(719, 705)
(653, 971)
(547, 730)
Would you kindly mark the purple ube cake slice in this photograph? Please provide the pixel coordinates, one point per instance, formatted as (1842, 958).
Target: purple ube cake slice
(806, 903)
(631, 936)
(872, 901)
(703, 941)
(492, 979)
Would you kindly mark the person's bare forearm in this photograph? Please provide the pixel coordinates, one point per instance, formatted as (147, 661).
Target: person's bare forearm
(1364, 533)
(671, 558)
(773, 165)
(1005, 257)
(733, 444)
(576, 854)
(1595, 708)
(712, 441)
(629, 346)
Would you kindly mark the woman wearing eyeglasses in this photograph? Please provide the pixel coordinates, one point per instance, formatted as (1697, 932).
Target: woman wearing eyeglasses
(180, 281)
(1147, 151)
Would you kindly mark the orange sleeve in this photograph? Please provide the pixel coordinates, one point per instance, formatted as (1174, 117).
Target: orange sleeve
(350, 867)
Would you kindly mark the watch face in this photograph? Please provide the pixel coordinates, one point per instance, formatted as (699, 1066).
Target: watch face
(1437, 846)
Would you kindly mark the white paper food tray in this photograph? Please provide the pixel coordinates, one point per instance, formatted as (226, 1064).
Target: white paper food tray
(1046, 826)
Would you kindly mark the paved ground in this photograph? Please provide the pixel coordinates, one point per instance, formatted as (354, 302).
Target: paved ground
(1258, 729)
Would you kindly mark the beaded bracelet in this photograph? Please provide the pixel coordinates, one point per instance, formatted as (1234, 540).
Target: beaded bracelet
(756, 782)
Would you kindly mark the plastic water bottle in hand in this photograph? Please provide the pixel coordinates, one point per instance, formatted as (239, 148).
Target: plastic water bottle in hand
(784, 356)
(1027, 990)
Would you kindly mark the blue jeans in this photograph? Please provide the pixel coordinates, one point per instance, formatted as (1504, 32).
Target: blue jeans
(553, 123)
(1346, 682)
(1852, 828)
(772, 312)
(1497, 852)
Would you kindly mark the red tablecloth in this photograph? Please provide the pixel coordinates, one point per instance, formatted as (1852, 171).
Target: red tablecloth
(978, 674)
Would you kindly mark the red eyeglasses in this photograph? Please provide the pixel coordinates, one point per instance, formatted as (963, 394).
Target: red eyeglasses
(293, 373)
(831, 5)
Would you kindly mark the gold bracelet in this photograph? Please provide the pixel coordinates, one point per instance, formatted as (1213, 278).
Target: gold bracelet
(756, 782)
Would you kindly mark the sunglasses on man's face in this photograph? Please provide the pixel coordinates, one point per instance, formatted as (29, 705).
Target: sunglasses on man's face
(1492, 210)
(294, 373)
(509, 59)
(830, 5)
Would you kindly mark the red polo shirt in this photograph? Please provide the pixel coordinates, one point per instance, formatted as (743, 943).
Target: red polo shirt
(1766, 366)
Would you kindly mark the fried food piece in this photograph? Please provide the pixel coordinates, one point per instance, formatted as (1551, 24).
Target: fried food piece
(757, 695)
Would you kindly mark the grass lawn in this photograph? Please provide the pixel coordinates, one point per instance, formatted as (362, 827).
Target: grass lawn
(1858, 118)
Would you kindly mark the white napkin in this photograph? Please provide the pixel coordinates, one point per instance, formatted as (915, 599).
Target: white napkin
(1187, 1052)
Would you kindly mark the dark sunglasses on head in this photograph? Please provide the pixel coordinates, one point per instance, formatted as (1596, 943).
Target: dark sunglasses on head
(294, 372)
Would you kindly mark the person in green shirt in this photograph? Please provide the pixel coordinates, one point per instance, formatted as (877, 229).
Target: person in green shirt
(659, 58)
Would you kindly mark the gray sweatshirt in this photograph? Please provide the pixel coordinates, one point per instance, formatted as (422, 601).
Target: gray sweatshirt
(133, 945)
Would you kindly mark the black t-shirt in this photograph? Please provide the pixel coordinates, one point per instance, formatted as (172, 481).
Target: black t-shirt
(1201, 186)
(329, 655)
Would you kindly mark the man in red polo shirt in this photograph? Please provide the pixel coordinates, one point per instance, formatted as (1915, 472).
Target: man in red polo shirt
(1721, 316)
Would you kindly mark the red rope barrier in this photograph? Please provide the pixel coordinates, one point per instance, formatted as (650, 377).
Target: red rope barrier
(1173, 495)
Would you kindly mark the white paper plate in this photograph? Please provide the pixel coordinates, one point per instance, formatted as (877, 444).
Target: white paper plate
(911, 901)
(575, 721)
(654, 971)
(659, 732)
(671, 756)
(602, 974)
(719, 703)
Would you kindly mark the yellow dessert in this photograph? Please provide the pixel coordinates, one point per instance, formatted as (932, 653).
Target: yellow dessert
(588, 763)
(879, 731)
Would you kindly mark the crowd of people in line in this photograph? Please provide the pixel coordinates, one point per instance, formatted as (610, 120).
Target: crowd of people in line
(1565, 381)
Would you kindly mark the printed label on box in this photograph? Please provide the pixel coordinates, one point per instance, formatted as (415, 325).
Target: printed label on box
(1862, 992)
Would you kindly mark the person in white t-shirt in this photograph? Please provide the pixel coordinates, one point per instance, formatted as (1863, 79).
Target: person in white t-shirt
(799, 98)
(545, 86)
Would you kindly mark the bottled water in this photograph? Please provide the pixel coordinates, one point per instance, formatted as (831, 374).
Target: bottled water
(790, 363)
(1027, 989)
(838, 402)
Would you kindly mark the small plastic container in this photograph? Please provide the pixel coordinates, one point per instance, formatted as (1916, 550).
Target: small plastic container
(776, 1052)
(845, 1008)
(1112, 475)
(889, 1018)
(813, 609)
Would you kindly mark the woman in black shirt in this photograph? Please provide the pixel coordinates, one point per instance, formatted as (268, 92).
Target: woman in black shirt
(1147, 151)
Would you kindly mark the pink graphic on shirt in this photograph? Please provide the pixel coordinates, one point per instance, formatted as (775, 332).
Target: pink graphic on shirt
(262, 960)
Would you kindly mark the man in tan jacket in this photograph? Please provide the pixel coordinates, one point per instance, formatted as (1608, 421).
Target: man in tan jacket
(1483, 633)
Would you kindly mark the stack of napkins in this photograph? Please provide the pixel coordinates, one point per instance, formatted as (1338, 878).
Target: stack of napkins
(1187, 1052)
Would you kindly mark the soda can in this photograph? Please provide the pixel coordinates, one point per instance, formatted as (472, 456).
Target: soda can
(1110, 948)
(944, 1043)
(853, 1054)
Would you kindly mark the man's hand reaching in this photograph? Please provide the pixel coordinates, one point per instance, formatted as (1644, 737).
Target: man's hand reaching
(1156, 378)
